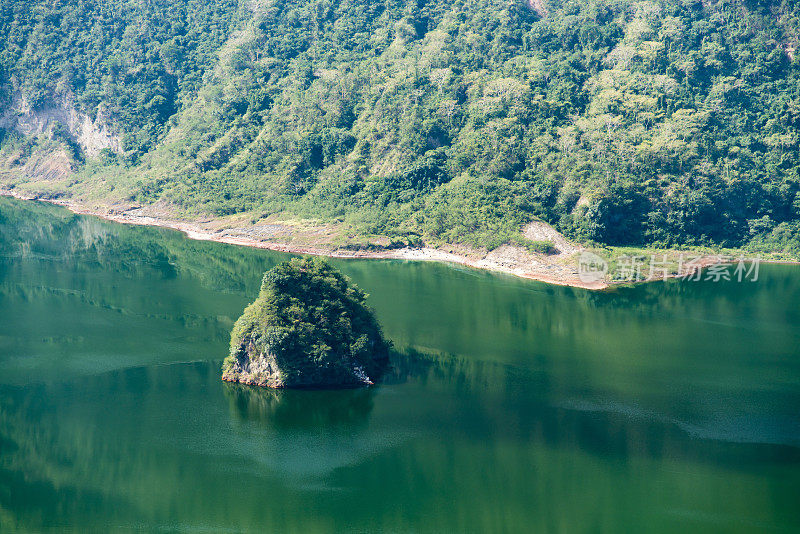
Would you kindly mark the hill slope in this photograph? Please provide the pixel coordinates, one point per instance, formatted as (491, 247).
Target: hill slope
(658, 123)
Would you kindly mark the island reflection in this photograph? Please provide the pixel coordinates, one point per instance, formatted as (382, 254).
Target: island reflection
(300, 409)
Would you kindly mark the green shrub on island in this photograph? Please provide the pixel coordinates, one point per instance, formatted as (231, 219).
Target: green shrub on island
(309, 327)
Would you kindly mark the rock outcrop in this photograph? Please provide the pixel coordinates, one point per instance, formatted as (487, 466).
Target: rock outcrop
(308, 327)
(93, 135)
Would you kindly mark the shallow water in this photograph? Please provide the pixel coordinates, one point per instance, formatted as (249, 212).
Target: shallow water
(512, 405)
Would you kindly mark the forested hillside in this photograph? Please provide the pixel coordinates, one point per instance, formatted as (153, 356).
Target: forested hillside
(660, 122)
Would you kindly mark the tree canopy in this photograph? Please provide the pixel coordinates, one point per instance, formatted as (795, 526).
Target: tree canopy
(654, 122)
(309, 326)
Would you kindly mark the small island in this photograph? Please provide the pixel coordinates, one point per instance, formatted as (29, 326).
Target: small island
(308, 328)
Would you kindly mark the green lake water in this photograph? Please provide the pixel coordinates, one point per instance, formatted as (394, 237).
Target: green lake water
(512, 406)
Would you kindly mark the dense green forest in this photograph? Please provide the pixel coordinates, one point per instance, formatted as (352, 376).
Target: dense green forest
(309, 326)
(660, 122)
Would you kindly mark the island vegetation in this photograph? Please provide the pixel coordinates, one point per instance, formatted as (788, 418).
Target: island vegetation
(309, 327)
(626, 122)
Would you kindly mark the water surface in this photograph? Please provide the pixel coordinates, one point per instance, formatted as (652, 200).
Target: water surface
(513, 406)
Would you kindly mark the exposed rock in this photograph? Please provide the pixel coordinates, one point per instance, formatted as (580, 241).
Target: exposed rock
(92, 135)
(541, 231)
(539, 7)
(254, 367)
(50, 165)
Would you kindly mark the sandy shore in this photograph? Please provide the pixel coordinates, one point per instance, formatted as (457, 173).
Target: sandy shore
(506, 259)
(559, 269)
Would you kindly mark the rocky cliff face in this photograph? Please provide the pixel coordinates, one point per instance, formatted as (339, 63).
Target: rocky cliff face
(92, 135)
(254, 367)
(260, 368)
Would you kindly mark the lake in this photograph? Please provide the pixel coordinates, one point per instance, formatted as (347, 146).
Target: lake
(511, 406)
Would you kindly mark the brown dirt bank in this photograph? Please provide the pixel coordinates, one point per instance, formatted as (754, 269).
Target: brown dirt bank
(560, 268)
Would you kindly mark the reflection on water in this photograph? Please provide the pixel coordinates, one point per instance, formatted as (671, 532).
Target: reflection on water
(298, 410)
(510, 405)
(449, 439)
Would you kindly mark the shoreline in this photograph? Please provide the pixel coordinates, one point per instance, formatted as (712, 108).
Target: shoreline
(195, 230)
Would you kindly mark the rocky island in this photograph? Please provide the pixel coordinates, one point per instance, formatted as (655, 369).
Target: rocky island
(309, 327)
